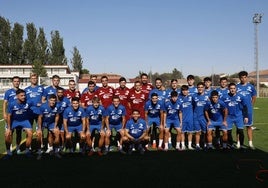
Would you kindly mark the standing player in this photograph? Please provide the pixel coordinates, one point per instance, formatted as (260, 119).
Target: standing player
(9, 97)
(207, 81)
(237, 114)
(173, 118)
(200, 123)
(18, 113)
(190, 80)
(72, 91)
(105, 93)
(248, 91)
(173, 87)
(159, 89)
(216, 114)
(186, 101)
(86, 98)
(146, 87)
(51, 89)
(137, 99)
(123, 92)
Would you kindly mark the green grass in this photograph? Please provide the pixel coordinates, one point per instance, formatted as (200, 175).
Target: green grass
(259, 135)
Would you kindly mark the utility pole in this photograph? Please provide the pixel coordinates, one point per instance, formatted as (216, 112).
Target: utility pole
(257, 20)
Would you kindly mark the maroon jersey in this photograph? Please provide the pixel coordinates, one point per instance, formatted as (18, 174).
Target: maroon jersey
(71, 94)
(105, 95)
(123, 94)
(146, 88)
(137, 101)
(86, 98)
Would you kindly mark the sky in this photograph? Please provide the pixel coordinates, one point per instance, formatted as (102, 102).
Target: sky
(199, 37)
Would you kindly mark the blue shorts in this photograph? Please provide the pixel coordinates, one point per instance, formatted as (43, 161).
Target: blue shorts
(214, 124)
(200, 124)
(237, 121)
(175, 123)
(187, 127)
(116, 127)
(47, 126)
(78, 128)
(21, 124)
(96, 127)
(152, 121)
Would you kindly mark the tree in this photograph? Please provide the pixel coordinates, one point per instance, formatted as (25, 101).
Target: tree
(176, 74)
(39, 69)
(16, 42)
(42, 45)
(57, 56)
(5, 30)
(84, 71)
(76, 61)
(30, 44)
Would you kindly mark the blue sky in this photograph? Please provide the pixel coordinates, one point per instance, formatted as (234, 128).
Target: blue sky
(200, 37)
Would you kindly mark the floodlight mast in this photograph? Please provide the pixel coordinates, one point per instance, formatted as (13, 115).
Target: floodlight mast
(257, 20)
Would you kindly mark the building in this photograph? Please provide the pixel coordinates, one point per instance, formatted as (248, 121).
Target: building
(7, 72)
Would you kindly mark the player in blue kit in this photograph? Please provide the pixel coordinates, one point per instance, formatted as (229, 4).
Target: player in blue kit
(18, 113)
(74, 120)
(114, 119)
(173, 87)
(248, 91)
(191, 87)
(34, 93)
(237, 114)
(159, 89)
(95, 125)
(51, 89)
(62, 103)
(186, 101)
(154, 119)
(200, 123)
(10, 96)
(216, 114)
(135, 133)
(173, 118)
(48, 119)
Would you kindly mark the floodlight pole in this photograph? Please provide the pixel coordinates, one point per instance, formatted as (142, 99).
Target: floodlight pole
(256, 20)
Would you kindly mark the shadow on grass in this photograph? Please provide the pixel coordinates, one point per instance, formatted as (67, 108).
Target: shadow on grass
(153, 169)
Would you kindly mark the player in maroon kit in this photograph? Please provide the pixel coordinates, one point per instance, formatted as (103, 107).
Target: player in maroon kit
(105, 93)
(146, 87)
(72, 91)
(86, 98)
(123, 92)
(137, 99)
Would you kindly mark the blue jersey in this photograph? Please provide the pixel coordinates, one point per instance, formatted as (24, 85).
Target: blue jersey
(49, 90)
(208, 91)
(248, 91)
(199, 102)
(136, 129)
(215, 110)
(10, 95)
(34, 94)
(172, 110)
(115, 114)
(63, 104)
(153, 109)
(95, 115)
(169, 92)
(235, 104)
(74, 117)
(19, 111)
(222, 91)
(162, 94)
(186, 107)
(192, 90)
(49, 113)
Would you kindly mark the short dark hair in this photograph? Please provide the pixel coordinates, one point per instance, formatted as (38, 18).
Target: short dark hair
(214, 93)
(207, 79)
(190, 77)
(75, 99)
(184, 87)
(122, 79)
(19, 91)
(154, 95)
(174, 94)
(242, 73)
